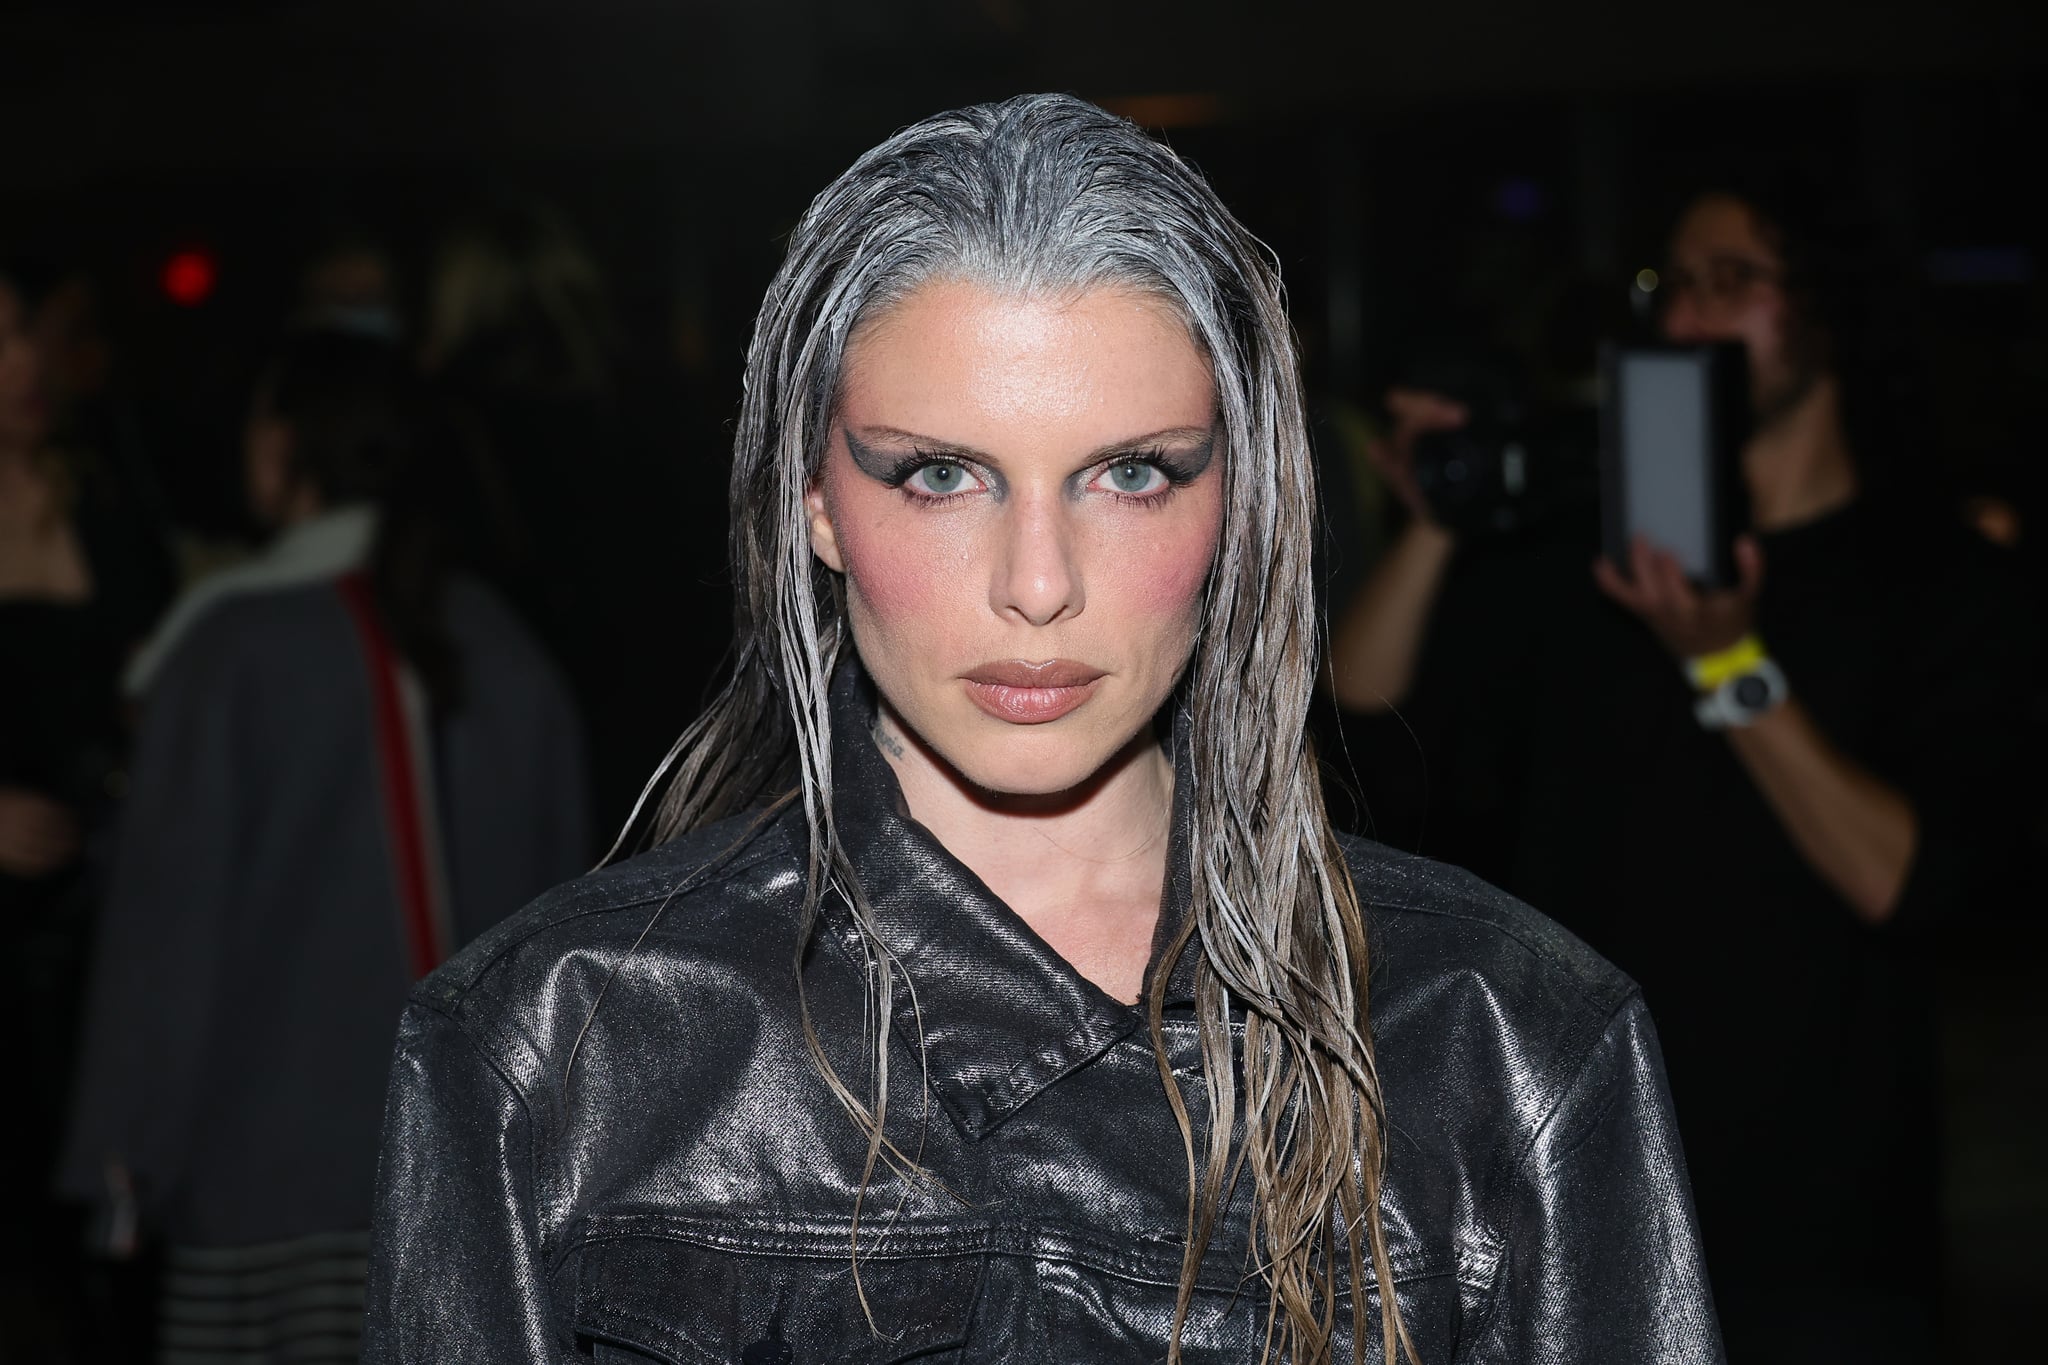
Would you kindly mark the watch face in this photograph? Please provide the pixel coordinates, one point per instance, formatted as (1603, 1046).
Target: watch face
(1751, 692)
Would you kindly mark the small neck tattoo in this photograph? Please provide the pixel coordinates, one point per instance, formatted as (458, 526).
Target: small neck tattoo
(889, 743)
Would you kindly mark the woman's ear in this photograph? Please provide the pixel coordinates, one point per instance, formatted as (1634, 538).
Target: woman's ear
(824, 539)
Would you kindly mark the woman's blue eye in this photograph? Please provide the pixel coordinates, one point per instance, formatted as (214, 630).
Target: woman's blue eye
(939, 479)
(1135, 476)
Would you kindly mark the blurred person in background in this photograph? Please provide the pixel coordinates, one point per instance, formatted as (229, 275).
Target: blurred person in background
(1770, 880)
(351, 759)
(83, 574)
(518, 329)
(601, 499)
(349, 283)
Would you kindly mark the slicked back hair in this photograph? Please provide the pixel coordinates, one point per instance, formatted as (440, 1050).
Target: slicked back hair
(1046, 194)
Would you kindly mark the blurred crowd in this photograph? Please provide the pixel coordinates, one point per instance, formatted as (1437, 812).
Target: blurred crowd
(250, 793)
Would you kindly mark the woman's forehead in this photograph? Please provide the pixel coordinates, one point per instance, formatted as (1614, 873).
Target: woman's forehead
(1040, 356)
(954, 295)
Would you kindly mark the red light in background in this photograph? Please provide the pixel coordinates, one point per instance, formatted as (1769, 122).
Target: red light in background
(189, 277)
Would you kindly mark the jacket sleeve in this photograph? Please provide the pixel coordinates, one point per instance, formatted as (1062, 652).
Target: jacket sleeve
(154, 993)
(1602, 1258)
(456, 1271)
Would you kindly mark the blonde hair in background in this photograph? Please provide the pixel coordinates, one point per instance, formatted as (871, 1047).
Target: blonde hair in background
(515, 295)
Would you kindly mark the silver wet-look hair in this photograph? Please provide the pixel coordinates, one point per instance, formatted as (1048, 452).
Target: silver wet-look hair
(1048, 194)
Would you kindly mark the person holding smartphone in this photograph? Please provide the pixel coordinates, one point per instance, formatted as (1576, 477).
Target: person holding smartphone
(1757, 800)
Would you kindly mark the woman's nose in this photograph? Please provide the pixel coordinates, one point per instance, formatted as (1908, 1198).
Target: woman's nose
(1036, 578)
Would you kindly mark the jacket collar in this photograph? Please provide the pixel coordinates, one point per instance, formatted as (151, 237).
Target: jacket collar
(320, 548)
(1002, 1016)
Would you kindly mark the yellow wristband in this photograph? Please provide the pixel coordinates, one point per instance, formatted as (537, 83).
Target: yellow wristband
(1709, 671)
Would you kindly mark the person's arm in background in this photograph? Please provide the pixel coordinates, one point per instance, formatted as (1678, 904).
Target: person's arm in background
(1378, 638)
(1860, 833)
(1865, 836)
(1857, 832)
(153, 989)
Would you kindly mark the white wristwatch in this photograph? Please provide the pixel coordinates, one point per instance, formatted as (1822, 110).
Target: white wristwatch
(1742, 699)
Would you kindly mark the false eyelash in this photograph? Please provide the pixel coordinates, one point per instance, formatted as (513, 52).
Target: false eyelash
(1178, 472)
(899, 473)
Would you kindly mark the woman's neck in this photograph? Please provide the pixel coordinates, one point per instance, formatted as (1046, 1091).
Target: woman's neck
(41, 557)
(25, 492)
(1798, 466)
(16, 461)
(1085, 868)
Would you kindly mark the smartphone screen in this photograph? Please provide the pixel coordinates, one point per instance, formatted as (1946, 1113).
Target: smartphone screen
(1673, 422)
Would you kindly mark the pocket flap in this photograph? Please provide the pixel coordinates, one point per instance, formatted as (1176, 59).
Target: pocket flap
(691, 1303)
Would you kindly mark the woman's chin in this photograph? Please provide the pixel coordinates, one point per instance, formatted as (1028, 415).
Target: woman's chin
(1008, 784)
(1035, 767)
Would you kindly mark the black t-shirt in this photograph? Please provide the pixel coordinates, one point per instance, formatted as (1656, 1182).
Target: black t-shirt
(1550, 742)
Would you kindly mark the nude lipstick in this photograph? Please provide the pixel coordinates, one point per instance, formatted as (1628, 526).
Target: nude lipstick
(1030, 694)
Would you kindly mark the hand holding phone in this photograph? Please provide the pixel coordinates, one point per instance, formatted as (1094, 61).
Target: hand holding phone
(1674, 420)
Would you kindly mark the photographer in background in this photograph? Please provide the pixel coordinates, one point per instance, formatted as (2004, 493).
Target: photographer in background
(1767, 864)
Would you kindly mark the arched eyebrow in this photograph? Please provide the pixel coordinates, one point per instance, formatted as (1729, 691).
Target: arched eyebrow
(882, 464)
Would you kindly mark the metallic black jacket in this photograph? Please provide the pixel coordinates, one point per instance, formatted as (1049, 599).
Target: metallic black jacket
(606, 1136)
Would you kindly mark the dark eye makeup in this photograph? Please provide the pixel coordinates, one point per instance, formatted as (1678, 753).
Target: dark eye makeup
(955, 472)
(1180, 468)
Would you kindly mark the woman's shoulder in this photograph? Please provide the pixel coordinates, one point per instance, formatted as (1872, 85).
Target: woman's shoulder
(1430, 924)
(710, 893)
(220, 629)
(1488, 1019)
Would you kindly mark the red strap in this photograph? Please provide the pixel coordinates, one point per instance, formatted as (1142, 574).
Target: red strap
(425, 938)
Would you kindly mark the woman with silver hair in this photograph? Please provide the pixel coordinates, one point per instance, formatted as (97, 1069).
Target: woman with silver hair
(997, 988)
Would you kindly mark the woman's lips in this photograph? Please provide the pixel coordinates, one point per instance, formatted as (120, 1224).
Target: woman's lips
(1031, 693)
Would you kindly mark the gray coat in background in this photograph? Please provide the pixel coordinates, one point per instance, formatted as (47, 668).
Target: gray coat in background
(251, 962)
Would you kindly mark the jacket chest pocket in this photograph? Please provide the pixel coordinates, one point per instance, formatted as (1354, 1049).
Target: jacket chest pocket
(661, 1298)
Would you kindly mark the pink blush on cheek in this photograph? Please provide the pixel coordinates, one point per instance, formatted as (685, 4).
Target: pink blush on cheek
(900, 568)
(899, 585)
(1178, 573)
(1164, 573)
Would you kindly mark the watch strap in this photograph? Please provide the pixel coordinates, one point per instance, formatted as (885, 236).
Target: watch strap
(1709, 671)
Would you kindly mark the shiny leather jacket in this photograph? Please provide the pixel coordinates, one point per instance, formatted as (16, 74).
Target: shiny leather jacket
(606, 1136)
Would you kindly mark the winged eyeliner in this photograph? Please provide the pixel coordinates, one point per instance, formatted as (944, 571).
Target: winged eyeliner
(894, 470)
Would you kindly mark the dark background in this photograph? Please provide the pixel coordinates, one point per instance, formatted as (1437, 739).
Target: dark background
(1409, 164)
(1420, 170)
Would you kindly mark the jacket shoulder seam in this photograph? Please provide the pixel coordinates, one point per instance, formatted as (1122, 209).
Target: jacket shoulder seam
(1602, 985)
(720, 867)
(1584, 985)
(1630, 999)
(489, 1044)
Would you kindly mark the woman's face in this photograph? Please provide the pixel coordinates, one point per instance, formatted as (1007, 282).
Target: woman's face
(267, 482)
(24, 405)
(1025, 496)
